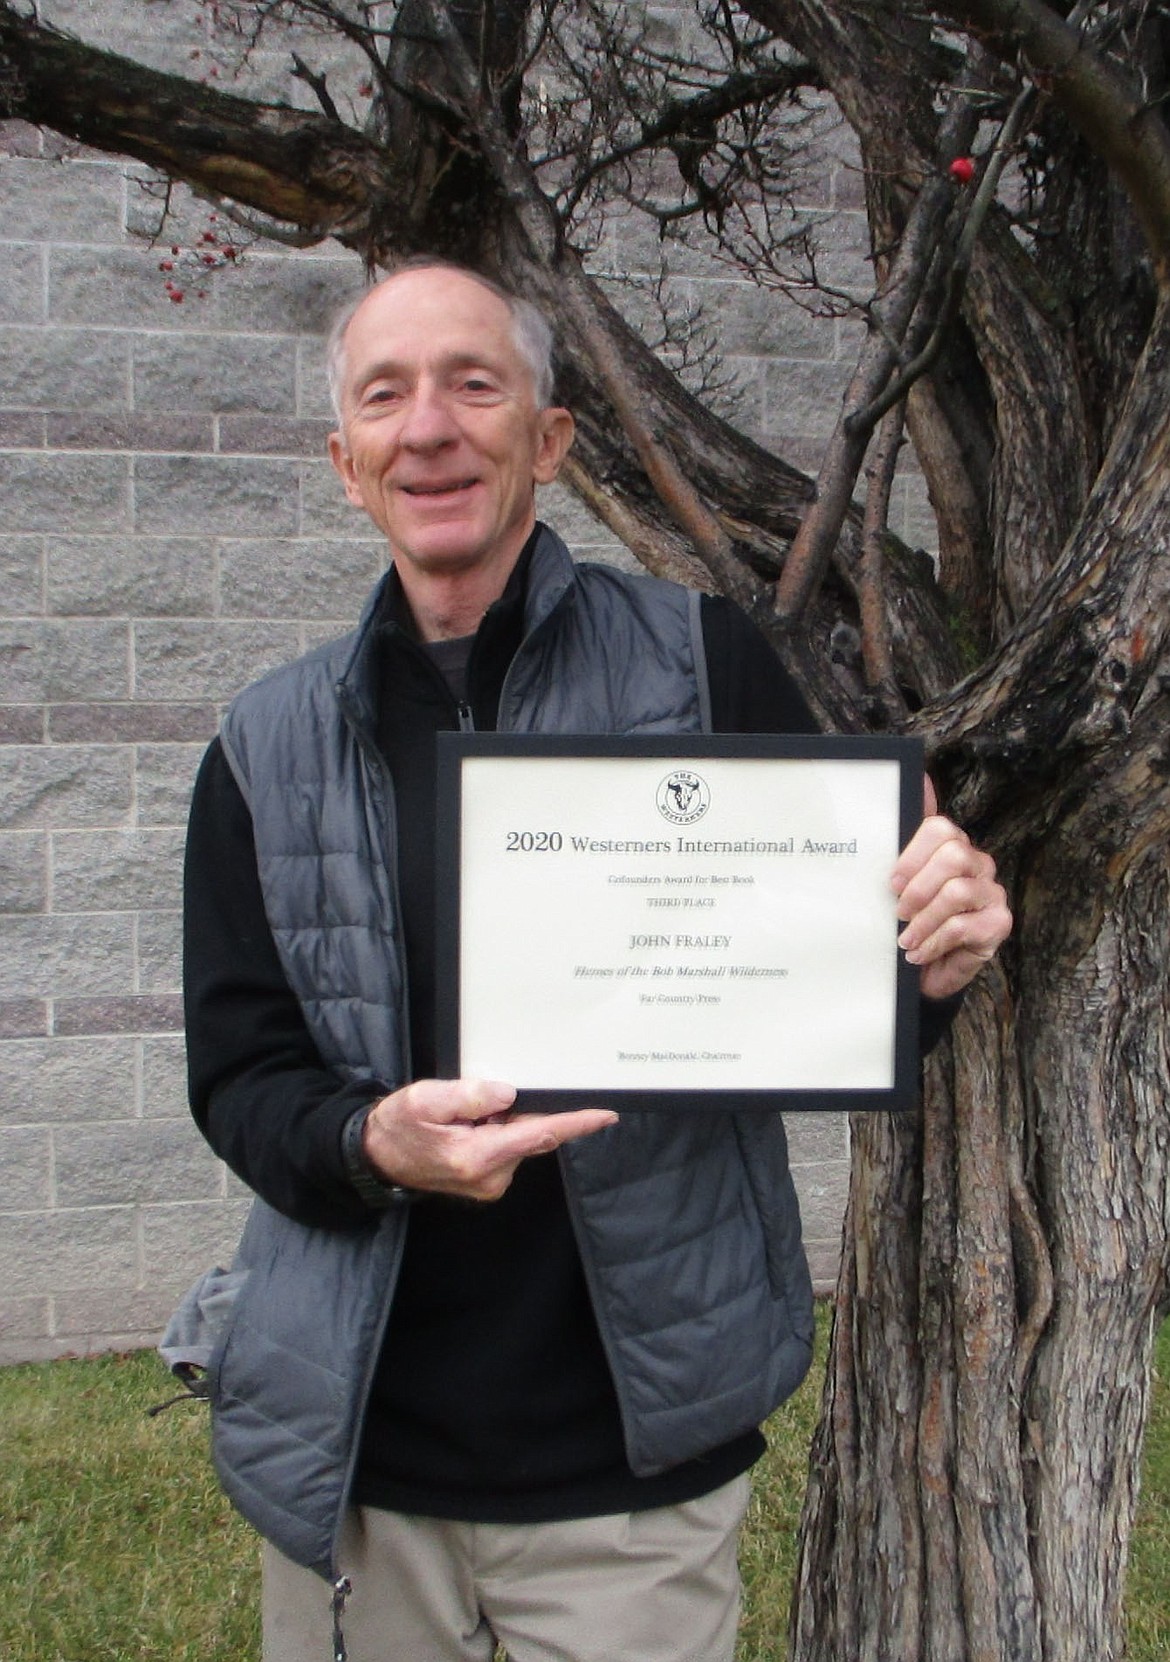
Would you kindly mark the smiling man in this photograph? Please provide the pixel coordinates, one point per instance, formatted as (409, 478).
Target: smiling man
(497, 1377)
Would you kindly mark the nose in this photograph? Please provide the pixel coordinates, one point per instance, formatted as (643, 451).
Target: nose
(428, 422)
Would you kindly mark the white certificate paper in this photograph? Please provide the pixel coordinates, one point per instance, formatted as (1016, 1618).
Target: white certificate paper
(677, 920)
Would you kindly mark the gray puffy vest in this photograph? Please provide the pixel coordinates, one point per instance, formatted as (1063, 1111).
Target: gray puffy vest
(688, 1228)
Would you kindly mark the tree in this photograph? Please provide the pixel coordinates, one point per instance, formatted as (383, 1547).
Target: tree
(1006, 1252)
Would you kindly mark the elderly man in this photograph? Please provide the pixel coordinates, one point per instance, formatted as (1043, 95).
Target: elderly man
(497, 1376)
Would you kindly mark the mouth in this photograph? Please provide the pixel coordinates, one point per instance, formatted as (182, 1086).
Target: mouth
(450, 488)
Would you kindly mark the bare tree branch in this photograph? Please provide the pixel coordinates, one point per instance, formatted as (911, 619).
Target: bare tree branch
(1108, 107)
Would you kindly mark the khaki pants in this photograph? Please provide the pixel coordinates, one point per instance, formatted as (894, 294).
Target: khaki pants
(657, 1586)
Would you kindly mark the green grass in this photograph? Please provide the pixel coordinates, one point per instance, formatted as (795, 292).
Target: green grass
(116, 1546)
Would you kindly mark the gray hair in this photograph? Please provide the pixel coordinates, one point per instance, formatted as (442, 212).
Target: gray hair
(531, 330)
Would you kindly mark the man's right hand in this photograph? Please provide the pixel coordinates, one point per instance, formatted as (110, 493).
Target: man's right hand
(461, 1136)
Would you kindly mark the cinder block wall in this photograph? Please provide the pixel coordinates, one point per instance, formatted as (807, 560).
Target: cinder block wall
(170, 531)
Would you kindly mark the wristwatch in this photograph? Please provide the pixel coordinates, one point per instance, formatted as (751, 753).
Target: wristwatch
(374, 1190)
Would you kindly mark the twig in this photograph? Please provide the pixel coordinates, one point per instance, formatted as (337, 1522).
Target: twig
(814, 542)
(875, 633)
(302, 72)
(863, 421)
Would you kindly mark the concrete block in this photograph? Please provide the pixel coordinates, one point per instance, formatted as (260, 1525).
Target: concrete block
(135, 1013)
(22, 724)
(164, 1078)
(165, 775)
(568, 516)
(749, 321)
(22, 1319)
(24, 1018)
(51, 1252)
(63, 369)
(160, 217)
(312, 385)
(181, 660)
(51, 1081)
(308, 578)
(814, 1138)
(105, 871)
(26, 1169)
(87, 1320)
(116, 288)
(180, 1241)
(159, 952)
(802, 400)
(23, 871)
(43, 662)
(287, 295)
(137, 1161)
(22, 430)
(23, 284)
(158, 433)
(129, 576)
(824, 1262)
(80, 200)
(822, 1191)
(919, 526)
(214, 372)
(213, 495)
(65, 493)
(267, 435)
(46, 957)
(66, 785)
(130, 723)
(324, 509)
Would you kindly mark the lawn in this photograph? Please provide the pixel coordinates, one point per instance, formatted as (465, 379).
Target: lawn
(115, 1545)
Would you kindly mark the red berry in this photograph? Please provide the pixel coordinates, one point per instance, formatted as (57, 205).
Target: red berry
(174, 248)
(176, 295)
(229, 253)
(962, 170)
(166, 265)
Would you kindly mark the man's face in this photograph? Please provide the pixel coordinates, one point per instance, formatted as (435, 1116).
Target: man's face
(441, 441)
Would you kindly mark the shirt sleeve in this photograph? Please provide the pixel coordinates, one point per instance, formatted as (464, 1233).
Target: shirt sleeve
(259, 1091)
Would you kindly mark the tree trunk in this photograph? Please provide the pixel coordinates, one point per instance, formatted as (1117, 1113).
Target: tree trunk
(974, 1476)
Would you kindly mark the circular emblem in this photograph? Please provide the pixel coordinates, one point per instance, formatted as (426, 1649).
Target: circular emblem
(683, 797)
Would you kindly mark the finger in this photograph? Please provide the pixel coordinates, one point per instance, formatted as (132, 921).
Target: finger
(933, 834)
(449, 1101)
(481, 1165)
(528, 1134)
(952, 859)
(979, 933)
(970, 890)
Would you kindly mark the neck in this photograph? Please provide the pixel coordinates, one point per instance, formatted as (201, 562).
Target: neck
(448, 605)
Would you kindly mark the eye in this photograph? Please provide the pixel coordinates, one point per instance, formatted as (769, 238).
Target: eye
(380, 395)
(479, 386)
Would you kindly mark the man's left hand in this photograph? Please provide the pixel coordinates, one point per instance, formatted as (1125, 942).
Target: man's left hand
(956, 913)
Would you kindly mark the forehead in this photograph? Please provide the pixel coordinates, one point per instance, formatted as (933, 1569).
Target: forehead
(427, 315)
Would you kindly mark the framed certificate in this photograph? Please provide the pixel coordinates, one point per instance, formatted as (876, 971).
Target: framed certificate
(677, 923)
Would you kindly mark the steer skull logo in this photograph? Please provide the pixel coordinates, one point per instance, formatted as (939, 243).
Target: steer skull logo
(683, 797)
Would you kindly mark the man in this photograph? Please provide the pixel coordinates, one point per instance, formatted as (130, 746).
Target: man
(503, 1373)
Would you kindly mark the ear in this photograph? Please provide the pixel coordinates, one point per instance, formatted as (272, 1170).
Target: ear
(343, 462)
(555, 436)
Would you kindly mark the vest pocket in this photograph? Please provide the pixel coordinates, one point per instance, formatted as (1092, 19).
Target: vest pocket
(197, 1333)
